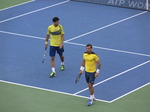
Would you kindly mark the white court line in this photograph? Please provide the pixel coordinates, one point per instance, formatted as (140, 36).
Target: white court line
(34, 11)
(110, 49)
(48, 90)
(17, 5)
(130, 92)
(22, 35)
(107, 26)
(114, 76)
(115, 50)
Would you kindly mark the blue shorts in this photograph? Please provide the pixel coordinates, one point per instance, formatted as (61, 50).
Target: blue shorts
(53, 49)
(90, 77)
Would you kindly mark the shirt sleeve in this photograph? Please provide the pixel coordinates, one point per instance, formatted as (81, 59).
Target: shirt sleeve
(96, 58)
(83, 56)
(48, 30)
(62, 29)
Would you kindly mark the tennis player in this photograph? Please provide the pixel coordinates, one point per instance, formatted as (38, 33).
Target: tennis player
(90, 61)
(55, 33)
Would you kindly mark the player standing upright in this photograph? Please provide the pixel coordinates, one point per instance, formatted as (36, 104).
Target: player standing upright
(56, 34)
(90, 60)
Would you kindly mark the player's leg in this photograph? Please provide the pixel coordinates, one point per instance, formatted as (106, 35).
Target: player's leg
(60, 52)
(90, 81)
(90, 84)
(53, 63)
(52, 53)
(62, 62)
(91, 90)
(87, 78)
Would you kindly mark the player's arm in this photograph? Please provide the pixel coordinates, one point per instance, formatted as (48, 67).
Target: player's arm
(98, 68)
(47, 36)
(46, 40)
(62, 40)
(82, 66)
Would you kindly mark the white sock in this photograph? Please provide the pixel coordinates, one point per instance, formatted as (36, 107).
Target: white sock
(53, 69)
(92, 96)
(62, 63)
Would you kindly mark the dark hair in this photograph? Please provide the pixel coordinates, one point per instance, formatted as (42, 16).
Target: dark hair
(55, 19)
(89, 45)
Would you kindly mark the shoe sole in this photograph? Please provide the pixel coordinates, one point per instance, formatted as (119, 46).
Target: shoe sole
(89, 104)
(62, 69)
(53, 76)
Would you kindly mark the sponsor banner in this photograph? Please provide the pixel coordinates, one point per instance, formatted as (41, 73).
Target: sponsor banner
(135, 4)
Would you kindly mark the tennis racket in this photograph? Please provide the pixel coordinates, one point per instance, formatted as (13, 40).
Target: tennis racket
(44, 55)
(78, 78)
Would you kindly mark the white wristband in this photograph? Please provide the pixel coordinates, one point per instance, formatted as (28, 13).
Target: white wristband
(82, 68)
(97, 71)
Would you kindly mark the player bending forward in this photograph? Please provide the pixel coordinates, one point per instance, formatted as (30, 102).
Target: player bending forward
(90, 60)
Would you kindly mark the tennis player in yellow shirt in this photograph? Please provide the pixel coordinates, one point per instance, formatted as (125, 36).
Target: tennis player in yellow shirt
(90, 60)
(55, 33)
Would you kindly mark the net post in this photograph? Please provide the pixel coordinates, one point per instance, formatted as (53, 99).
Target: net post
(147, 5)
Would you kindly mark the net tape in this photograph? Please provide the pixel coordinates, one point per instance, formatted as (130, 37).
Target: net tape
(135, 4)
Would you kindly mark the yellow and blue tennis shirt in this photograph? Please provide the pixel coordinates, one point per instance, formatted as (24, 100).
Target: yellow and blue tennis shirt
(55, 33)
(90, 61)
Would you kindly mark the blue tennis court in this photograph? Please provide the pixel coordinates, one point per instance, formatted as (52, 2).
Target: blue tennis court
(120, 36)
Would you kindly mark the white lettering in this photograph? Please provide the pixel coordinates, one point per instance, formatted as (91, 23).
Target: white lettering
(140, 5)
(121, 2)
(116, 2)
(132, 4)
(111, 2)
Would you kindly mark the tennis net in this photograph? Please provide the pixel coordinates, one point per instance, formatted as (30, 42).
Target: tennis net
(134, 4)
